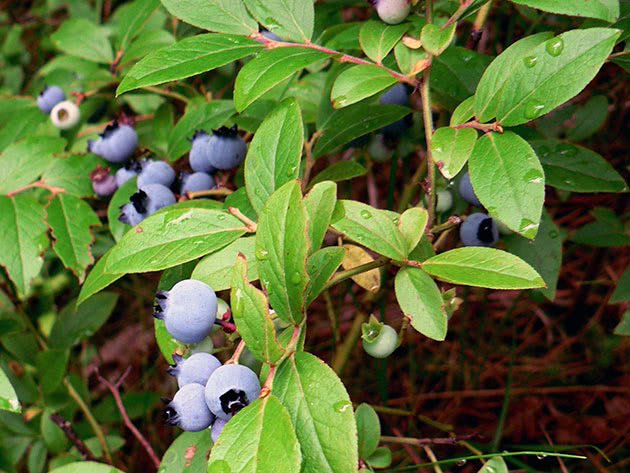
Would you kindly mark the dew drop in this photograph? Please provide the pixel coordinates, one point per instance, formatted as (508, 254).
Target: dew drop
(296, 278)
(566, 149)
(543, 151)
(533, 110)
(365, 214)
(553, 234)
(489, 469)
(530, 61)
(341, 406)
(438, 149)
(261, 254)
(221, 217)
(554, 46)
(461, 462)
(541, 456)
(291, 171)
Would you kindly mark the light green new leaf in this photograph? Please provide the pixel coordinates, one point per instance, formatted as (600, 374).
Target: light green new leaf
(86, 467)
(81, 37)
(339, 171)
(250, 310)
(421, 301)
(411, 61)
(411, 224)
(451, 148)
(435, 39)
(222, 16)
(259, 439)
(320, 204)
(607, 10)
(494, 465)
(70, 219)
(132, 21)
(483, 267)
(553, 73)
(464, 112)
(358, 82)
(320, 266)
(215, 269)
(509, 180)
(291, 20)
(275, 152)
(281, 250)
(268, 69)
(377, 39)
(321, 413)
(8, 398)
(188, 57)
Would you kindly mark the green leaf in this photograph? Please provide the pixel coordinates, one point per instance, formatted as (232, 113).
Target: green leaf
(250, 310)
(483, 267)
(281, 250)
(370, 227)
(321, 412)
(268, 69)
(509, 180)
(24, 123)
(381, 458)
(222, 16)
(172, 237)
(147, 42)
(259, 439)
(320, 204)
(23, 162)
(215, 269)
(466, 8)
(571, 59)
(177, 457)
(463, 112)
(494, 465)
(606, 231)
(622, 289)
(492, 82)
(81, 37)
(54, 438)
(23, 239)
(275, 152)
(368, 430)
(607, 10)
(188, 57)
(623, 327)
(239, 200)
(451, 148)
(74, 323)
(70, 219)
(411, 61)
(72, 173)
(51, 367)
(377, 39)
(421, 301)
(97, 279)
(8, 398)
(339, 171)
(411, 224)
(435, 39)
(589, 118)
(37, 457)
(358, 82)
(544, 254)
(291, 20)
(86, 467)
(349, 123)
(320, 266)
(120, 197)
(577, 169)
(132, 21)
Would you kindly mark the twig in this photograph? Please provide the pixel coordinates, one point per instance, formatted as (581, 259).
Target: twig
(209, 192)
(66, 426)
(266, 387)
(167, 93)
(228, 327)
(250, 224)
(348, 273)
(427, 441)
(237, 353)
(308, 160)
(484, 127)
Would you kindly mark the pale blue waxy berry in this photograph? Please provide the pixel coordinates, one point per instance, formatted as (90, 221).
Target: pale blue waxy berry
(129, 215)
(231, 388)
(147, 200)
(188, 409)
(391, 11)
(188, 310)
(226, 149)
(479, 230)
(115, 144)
(197, 181)
(216, 428)
(467, 192)
(50, 96)
(199, 156)
(131, 169)
(156, 172)
(196, 368)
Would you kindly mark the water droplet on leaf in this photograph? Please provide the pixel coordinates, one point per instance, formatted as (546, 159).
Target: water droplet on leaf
(221, 217)
(365, 214)
(530, 61)
(296, 278)
(261, 254)
(341, 406)
(533, 110)
(554, 46)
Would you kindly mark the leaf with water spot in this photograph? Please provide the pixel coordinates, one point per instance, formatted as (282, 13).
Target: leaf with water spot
(291, 20)
(321, 266)
(320, 204)
(359, 82)
(8, 398)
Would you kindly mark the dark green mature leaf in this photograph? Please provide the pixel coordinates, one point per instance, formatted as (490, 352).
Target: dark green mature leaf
(622, 289)
(23, 239)
(421, 301)
(435, 39)
(268, 69)
(222, 16)
(321, 412)
(606, 231)
(571, 59)
(607, 10)
(70, 219)
(177, 457)
(259, 439)
(370, 227)
(356, 120)
(97, 279)
(275, 152)
(451, 148)
(377, 38)
(589, 118)
(215, 269)
(147, 42)
(577, 169)
(23, 162)
(72, 173)
(339, 171)
(321, 265)
(281, 250)
(359, 82)
(8, 398)
(81, 37)
(483, 267)
(250, 310)
(172, 237)
(188, 57)
(291, 20)
(51, 366)
(368, 430)
(132, 21)
(320, 203)
(86, 467)
(623, 327)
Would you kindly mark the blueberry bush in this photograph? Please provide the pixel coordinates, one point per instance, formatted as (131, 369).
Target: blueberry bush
(295, 188)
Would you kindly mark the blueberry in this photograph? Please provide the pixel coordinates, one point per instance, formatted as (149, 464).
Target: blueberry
(115, 144)
(270, 35)
(129, 170)
(231, 388)
(50, 96)
(143, 203)
(103, 183)
(216, 428)
(479, 230)
(188, 410)
(397, 95)
(198, 157)
(196, 368)
(467, 192)
(128, 214)
(65, 115)
(391, 11)
(197, 181)
(189, 310)
(226, 149)
(156, 172)
(379, 340)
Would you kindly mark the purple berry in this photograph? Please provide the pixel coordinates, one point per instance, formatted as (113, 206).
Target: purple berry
(467, 192)
(103, 183)
(391, 11)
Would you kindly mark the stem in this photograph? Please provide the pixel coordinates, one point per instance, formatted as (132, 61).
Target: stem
(428, 131)
(428, 10)
(345, 349)
(228, 327)
(484, 127)
(167, 93)
(39, 183)
(452, 222)
(237, 353)
(209, 192)
(426, 441)
(250, 224)
(433, 459)
(266, 387)
(309, 161)
(348, 273)
(66, 426)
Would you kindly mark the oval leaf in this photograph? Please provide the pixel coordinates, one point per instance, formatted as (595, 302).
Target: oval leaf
(81, 37)
(222, 16)
(216, 268)
(358, 82)
(607, 10)
(377, 39)
(451, 148)
(8, 398)
(291, 20)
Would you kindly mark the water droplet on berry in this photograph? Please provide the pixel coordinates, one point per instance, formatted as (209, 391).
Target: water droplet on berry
(530, 61)
(554, 46)
(365, 214)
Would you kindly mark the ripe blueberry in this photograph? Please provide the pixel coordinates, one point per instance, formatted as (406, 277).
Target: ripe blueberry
(188, 409)
(143, 203)
(391, 11)
(216, 428)
(198, 157)
(231, 388)
(129, 215)
(270, 35)
(196, 368)
(397, 95)
(50, 96)
(479, 230)
(467, 192)
(379, 340)
(115, 144)
(156, 172)
(65, 115)
(226, 149)
(103, 183)
(189, 310)
(130, 169)
(197, 181)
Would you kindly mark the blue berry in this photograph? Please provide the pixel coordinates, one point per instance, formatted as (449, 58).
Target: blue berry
(129, 170)
(397, 95)
(270, 35)
(156, 172)
(50, 96)
(115, 144)
(467, 192)
(129, 215)
(226, 149)
(479, 230)
(189, 310)
(382, 344)
(197, 181)
(196, 368)
(391, 11)
(231, 388)
(188, 409)
(198, 157)
(216, 428)
(103, 183)
(147, 200)
(65, 115)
